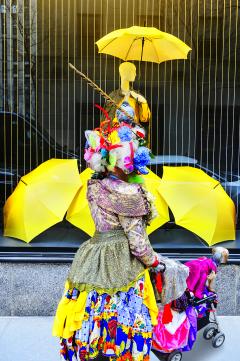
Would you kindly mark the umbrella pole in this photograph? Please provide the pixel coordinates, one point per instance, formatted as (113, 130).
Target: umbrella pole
(142, 48)
(139, 69)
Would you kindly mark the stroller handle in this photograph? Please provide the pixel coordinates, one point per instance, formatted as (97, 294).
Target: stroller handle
(203, 300)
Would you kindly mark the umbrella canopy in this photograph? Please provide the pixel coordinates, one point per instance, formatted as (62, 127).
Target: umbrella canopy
(80, 216)
(79, 212)
(41, 198)
(144, 44)
(152, 182)
(199, 203)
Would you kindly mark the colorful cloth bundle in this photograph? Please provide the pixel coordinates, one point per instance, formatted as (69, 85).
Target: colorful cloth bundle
(179, 334)
(120, 325)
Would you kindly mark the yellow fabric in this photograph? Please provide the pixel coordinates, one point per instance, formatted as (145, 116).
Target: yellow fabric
(159, 46)
(144, 113)
(114, 137)
(199, 203)
(41, 198)
(69, 315)
(149, 299)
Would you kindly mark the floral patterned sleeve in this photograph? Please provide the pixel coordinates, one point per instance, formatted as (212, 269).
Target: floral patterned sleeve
(138, 240)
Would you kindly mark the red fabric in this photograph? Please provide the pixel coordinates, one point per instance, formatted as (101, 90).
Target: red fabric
(158, 280)
(155, 263)
(167, 314)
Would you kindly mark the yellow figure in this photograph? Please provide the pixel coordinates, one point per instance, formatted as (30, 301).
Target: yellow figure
(137, 101)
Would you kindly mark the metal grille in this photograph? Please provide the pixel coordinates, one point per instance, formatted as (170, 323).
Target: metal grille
(45, 107)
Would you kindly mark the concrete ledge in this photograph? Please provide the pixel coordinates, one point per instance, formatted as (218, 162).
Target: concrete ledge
(34, 289)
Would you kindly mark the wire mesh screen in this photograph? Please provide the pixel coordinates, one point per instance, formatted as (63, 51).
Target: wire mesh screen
(45, 106)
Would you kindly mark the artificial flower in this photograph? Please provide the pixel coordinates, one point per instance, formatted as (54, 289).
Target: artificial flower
(113, 138)
(104, 152)
(125, 133)
(88, 154)
(128, 163)
(141, 159)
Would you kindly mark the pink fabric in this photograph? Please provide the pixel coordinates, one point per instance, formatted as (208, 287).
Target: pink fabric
(164, 341)
(199, 270)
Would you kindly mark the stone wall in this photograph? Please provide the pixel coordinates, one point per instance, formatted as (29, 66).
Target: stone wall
(34, 289)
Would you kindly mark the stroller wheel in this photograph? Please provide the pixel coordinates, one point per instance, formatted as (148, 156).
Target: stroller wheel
(209, 332)
(175, 356)
(218, 340)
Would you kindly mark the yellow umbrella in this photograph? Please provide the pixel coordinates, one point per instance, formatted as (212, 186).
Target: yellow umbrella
(80, 216)
(79, 213)
(199, 203)
(144, 44)
(41, 198)
(152, 183)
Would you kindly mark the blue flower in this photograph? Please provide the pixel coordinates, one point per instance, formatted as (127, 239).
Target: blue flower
(125, 134)
(141, 159)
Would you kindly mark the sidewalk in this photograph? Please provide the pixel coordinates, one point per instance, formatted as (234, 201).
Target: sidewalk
(29, 339)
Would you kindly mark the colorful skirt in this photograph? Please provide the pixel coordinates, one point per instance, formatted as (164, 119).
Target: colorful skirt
(118, 324)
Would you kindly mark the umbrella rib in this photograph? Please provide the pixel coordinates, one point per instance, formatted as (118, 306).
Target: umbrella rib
(108, 44)
(129, 49)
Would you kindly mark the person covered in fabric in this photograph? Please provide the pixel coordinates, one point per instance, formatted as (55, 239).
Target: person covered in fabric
(108, 307)
(203, 270)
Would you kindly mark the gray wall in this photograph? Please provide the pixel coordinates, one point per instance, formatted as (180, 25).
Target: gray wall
(34, 289)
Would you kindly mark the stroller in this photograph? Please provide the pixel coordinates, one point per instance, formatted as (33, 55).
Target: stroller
(206, 318)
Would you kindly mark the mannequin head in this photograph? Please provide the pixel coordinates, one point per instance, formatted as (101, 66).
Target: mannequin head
(127, 71)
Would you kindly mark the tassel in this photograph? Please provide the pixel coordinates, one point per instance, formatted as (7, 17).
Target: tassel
(167, 314)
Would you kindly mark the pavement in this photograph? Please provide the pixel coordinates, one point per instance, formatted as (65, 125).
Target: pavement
(30, 339)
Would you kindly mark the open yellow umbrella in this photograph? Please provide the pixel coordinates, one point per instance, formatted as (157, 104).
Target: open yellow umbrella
(41, 198)
(199, 203)
(80, 216)
(144, 44)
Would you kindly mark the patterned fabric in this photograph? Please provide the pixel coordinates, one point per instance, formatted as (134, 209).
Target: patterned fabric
(138, 239)
(119, 325)
(181, 303)
(116, 197)
(104, 262)
(109, 303)
(116, 204)
(174, 280)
